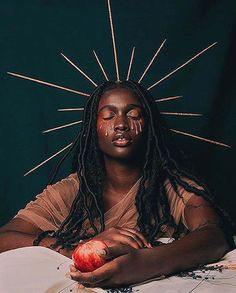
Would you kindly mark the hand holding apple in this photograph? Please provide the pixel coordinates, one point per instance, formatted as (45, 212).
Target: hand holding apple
(87, 257)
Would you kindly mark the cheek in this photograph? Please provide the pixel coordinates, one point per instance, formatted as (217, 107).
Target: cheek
(100, 123)
(137, 127)
(102, 129)
(99, 127)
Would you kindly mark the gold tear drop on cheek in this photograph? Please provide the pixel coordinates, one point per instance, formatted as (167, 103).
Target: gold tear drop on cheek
(136, 128)
(100, 127)
(140, 126)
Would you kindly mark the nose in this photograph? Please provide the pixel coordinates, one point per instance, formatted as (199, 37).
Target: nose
(121, 124)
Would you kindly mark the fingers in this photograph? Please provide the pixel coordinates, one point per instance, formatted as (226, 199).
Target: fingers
(91, 279)
(112, 252)
(123, 236)
(132, 237)
(73, 268)
(140, 235)
(137, 236)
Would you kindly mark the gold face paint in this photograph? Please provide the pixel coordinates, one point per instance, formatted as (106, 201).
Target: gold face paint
(136, 127)
(100, 127)
(140, 126)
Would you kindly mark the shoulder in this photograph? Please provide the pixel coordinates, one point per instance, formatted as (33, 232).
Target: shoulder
(49, 209)
(70, 181)
(179, 201)
(58, 195)
(68, 184)
(183, 194)
(65, 189)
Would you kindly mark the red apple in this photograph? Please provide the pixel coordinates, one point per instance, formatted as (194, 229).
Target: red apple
(87, 256)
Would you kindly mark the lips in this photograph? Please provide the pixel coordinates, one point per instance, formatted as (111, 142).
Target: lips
(121, 140)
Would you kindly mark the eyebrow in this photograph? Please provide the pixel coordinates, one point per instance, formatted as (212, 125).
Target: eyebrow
(129, 106)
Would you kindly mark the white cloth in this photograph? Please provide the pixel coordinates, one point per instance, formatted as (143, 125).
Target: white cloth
(34, 270)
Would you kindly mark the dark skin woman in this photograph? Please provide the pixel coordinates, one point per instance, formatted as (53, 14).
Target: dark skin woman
(124, 139)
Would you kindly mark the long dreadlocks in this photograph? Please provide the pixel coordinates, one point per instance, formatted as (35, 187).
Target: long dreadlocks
(162, 161)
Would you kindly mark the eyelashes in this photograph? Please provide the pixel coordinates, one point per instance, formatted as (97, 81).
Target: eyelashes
(131, 114)
(108, 118)
(129, 117)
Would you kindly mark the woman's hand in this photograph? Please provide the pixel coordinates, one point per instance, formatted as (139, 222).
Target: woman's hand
(121, 240)
(122, 245)
(125, 269)
(123, 236)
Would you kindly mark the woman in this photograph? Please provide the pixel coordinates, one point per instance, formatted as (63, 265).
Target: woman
(131, 187)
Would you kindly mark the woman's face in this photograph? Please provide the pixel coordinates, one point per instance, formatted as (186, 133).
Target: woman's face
(120, 124)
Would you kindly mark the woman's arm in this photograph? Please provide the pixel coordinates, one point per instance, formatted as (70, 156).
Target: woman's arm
(205, 243)
(46, 212)
(20, 233)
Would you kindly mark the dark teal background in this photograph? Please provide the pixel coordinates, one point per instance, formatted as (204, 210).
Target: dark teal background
(32, 35)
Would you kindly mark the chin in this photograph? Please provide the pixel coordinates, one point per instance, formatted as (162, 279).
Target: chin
(124, 154)
(132, 152)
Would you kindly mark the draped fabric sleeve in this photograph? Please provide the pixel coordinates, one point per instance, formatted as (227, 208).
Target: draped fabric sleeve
(52, 206)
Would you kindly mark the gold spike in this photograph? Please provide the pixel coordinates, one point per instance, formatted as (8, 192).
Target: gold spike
(130, 63)
(80, 70)
(49, 84)
(168, 99)
(100, 65)
(181, 114)
(181, 66)
(113, 40)
(62, 126)
(70, 109)
(201, 138)
(44, 162)
(150, 63)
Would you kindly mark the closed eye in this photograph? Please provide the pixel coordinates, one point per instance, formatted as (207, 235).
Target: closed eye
(108, 118)
(134, 114)
(108, 115)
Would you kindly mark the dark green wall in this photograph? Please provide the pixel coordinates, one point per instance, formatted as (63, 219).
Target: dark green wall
(32, 35)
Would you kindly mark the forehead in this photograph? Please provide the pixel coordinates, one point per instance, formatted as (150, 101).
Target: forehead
(120, 97)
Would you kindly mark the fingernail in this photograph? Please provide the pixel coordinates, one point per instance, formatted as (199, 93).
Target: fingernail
(72, 268)
(68, 275)
(101, 252)
(149, 245)
(80, 286)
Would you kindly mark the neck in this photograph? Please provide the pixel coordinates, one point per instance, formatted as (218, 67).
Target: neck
(121, 175)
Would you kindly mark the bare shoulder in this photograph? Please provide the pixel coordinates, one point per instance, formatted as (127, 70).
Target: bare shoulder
(199, 212)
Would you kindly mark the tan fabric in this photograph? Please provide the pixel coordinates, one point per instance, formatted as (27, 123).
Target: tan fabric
(52, 206)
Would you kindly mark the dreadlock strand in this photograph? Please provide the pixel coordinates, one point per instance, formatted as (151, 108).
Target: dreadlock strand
(87, 186)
